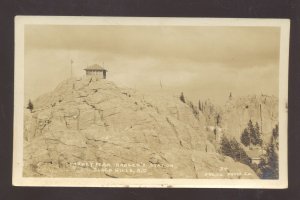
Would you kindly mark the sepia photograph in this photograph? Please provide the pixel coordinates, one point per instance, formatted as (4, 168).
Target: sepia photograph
(150, 102)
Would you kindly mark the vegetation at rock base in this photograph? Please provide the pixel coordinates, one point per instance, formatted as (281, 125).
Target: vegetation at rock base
(218, 119)
(30, 105)
(269, 166)
(194, 109)
(200, 106)
(182, 97)
(190, 104)
(232, 148)
(275, 135)
(251, 135)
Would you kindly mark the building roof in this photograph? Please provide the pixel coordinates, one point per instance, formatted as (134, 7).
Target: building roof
(254, 153)
(95, 67)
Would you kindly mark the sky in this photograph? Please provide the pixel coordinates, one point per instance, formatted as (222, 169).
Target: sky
(202, 62)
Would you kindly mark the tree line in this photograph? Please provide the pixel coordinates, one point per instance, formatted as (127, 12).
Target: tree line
(268, 168)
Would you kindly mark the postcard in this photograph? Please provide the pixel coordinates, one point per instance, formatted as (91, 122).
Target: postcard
(150, 102)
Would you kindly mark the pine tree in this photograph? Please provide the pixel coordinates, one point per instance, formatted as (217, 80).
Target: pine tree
(245, 137)
(30, 106)
(194, 109)
(218, 119)
(275, 136)
(225, 147)
(269, 166)
(257, 135)
(251, 128)
(182, 97)
(233, 149)
(215, 133)
(275, 132)
(251, 135)
(199, 106)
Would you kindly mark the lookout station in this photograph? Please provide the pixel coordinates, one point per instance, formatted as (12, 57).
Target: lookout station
(95, 70)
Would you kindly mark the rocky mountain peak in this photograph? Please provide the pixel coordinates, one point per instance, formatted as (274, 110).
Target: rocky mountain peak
(88, 119)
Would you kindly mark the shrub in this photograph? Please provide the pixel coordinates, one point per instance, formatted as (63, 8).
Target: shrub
(30, 105)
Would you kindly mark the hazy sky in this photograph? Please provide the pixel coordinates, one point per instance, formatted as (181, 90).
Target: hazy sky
(202, 62)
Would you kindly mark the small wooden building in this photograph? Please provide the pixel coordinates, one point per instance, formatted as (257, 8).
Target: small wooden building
(96, 70)
(255, 155)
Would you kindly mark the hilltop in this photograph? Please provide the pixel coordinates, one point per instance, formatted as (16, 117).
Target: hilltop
(91, 120)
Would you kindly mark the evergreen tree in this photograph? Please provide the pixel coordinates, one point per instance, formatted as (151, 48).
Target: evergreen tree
(269, 165)
(225, 147)
(275, 136)
(218, 119)
(215, 132)
(182, 97)
(251, 128)
(251, 135)
(30, 105)
(257, 135)
(275, 132)
(245, 137)
(199, 106)
(233, 149)
(194, 109)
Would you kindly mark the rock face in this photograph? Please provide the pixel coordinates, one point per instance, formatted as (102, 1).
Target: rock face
(262, 109)
(91, 128)
(236, 113)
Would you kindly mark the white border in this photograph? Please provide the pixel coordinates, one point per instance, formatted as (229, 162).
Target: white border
(19, 180)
